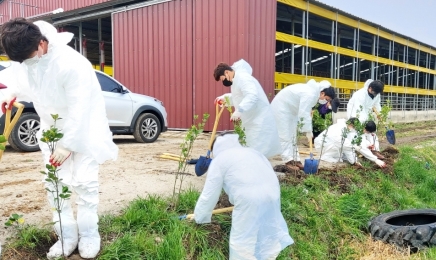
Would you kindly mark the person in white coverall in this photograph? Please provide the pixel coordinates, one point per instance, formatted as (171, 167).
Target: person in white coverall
(251, 106)
(292, 103)
(364, 100)
(334, 148)
(259, 230)
(371, 139)
(63, 82)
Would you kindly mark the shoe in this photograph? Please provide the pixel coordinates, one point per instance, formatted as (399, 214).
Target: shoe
(89, 247)
(56, 250)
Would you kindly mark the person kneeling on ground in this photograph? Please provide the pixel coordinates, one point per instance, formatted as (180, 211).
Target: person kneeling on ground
(259, 230)
(370, 136)
(336, 144)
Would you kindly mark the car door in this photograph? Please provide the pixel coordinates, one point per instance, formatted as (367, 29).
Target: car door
(119, 106)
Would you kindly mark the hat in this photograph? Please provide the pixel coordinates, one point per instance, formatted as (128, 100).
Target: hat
(335, 104)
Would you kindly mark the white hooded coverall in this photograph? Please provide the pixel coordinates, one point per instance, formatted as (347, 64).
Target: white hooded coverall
(248, 97)
(63, 82)
(289, 105)
(259, 230)
(361, 98)
(332, 138)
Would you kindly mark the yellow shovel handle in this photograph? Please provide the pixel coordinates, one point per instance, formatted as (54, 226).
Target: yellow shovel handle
(215, 211)
(9, 124)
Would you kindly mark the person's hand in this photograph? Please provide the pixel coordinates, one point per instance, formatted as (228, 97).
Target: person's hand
(380, 163)
(371, 147)
(59, 156)
(235, 116)
(309, 135)
(221, 100)
(7, 103)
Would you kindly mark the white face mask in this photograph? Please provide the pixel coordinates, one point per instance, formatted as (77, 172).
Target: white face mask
(330, 107)
(322, 101)
(35, 59)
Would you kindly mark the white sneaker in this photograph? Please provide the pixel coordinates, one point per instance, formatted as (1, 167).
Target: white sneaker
(56, 250)
(89, 247)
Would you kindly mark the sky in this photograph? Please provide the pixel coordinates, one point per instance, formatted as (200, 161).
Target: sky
(413, 18)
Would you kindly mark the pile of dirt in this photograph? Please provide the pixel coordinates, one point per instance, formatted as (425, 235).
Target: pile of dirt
(223, 201)
(336, 181)
(39, 252)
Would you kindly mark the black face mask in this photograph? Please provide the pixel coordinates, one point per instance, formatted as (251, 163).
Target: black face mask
(371, 95)
(227, 83)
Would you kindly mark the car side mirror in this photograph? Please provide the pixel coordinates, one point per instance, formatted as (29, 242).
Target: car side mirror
(121, 90)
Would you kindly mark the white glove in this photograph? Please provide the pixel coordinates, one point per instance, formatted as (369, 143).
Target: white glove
(59, 156)
(236, 116)
(309, 135)
(380, 163)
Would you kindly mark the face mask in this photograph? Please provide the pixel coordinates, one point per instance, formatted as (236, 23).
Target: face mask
(322, 101)
(32, 61)
(35, 59)
(227, 83)
(330, 107)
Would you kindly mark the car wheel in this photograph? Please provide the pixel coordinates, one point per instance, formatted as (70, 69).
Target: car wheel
(23, 135)
(147, 128)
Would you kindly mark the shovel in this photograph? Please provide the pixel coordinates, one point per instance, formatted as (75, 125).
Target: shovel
(215, 211)
(310, 165)
(203, 162)
(9, 124)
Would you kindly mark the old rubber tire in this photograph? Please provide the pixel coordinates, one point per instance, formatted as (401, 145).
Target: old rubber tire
(147, 128)
(23, 135)
(394, 228)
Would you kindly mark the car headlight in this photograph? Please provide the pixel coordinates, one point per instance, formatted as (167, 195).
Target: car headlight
(157, 100)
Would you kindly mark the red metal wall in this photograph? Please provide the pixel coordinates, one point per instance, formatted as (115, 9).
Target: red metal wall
(170, 50)
(25, 8)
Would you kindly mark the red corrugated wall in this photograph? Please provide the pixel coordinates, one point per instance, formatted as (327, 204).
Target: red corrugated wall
(25, 8)
(170, 50)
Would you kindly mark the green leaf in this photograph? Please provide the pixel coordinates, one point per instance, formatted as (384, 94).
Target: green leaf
(2, 147)
(15, 216)
(8, 224)
(2, 139)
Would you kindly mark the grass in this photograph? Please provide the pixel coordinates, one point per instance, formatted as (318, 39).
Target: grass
(324, 221)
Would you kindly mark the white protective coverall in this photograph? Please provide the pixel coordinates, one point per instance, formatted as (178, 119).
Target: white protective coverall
(63, 82)
(259, 230)
(372, 140)
(361, 98)
(331, 151)
(248, 98)
(289, 105)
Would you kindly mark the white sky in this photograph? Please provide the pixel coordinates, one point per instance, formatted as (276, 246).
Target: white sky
(413, 18)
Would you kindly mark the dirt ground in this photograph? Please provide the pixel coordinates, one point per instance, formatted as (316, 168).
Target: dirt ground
(137, 172)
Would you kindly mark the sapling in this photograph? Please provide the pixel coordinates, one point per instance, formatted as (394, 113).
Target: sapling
(237, 125)
(2, 143)
(60, 193)
(326, 126)
(300, 125)
(186, 148)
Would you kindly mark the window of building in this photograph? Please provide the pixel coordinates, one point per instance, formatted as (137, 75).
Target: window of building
(319, 63)
(289, 20)
(320, 29)
(286, 60)
(365, 42)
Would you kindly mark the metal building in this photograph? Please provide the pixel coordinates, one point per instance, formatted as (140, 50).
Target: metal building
(169, 48)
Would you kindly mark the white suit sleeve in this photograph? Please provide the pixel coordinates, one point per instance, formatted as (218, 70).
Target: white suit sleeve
(376, 143)
(304, 112)
(210, 194)
(79, 101)
(249, 92)
(377, 103)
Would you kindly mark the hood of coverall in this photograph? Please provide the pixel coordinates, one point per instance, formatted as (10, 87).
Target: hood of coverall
(225, 142)
(52, 35)
(366, 85)
(242, 65)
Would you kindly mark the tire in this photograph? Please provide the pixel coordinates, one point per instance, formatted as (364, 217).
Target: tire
(23, 135)
(147, 128)
(415, 228)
